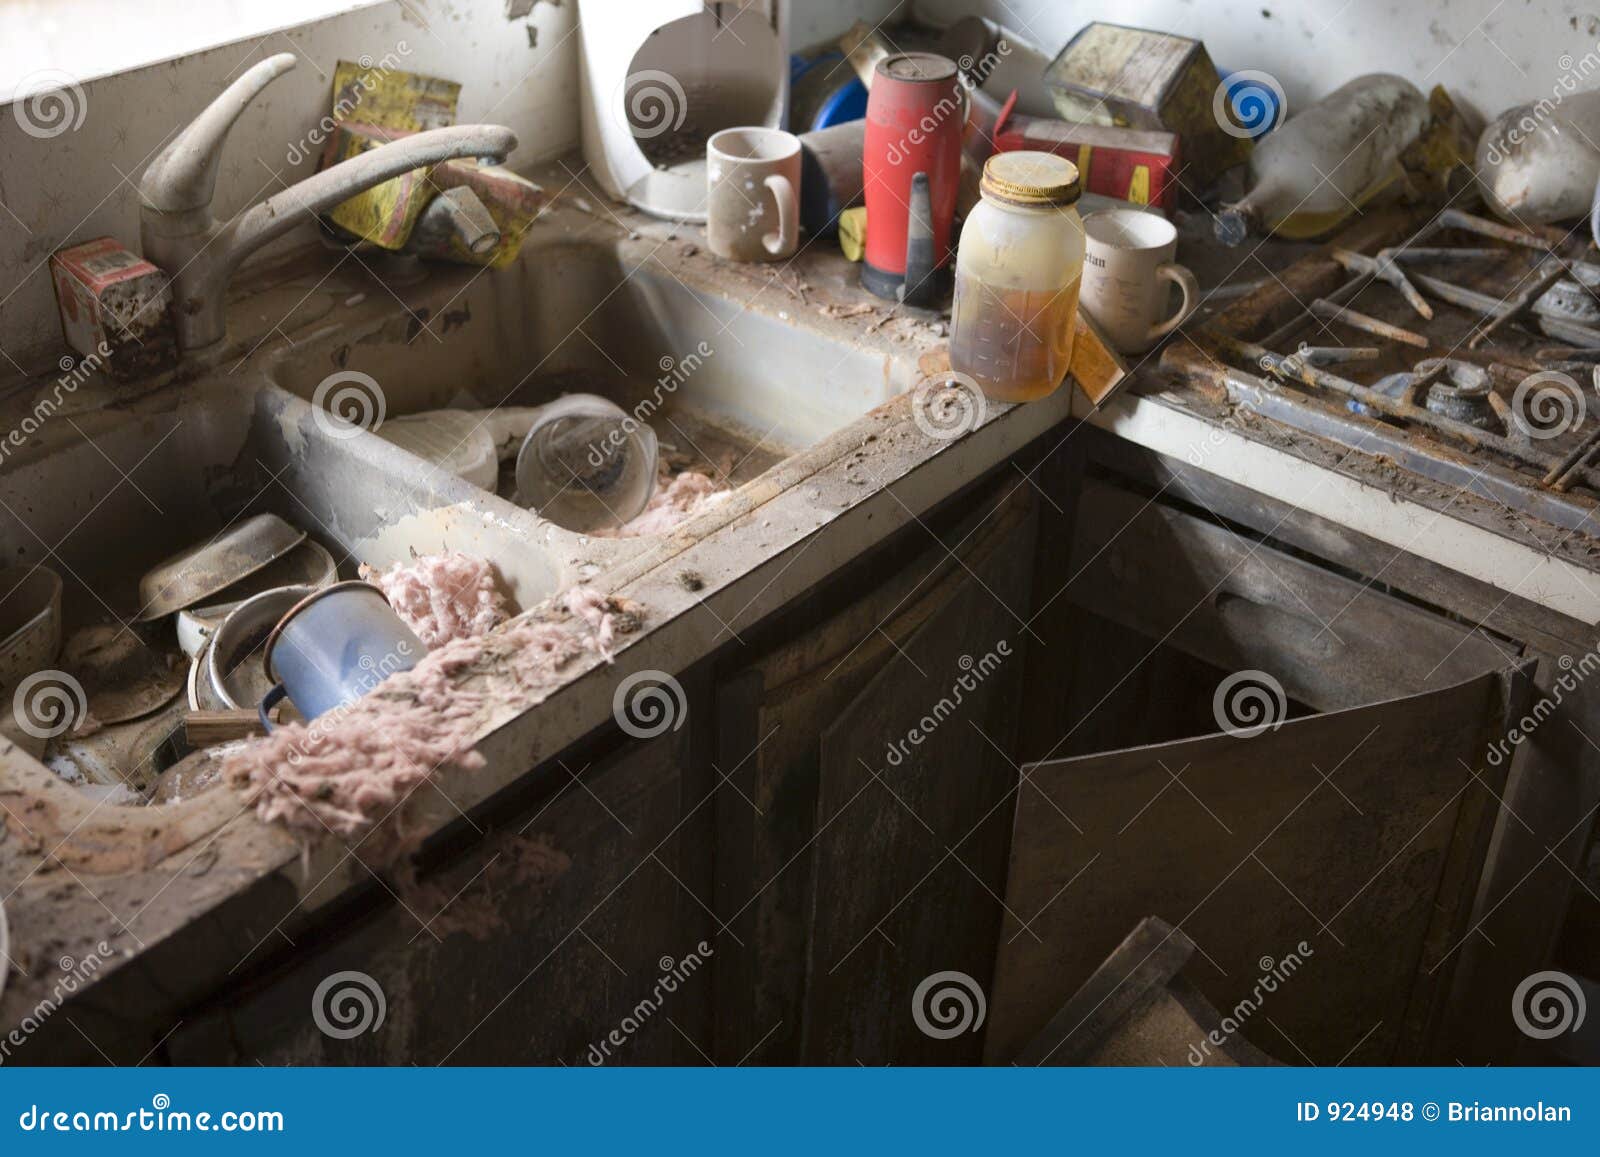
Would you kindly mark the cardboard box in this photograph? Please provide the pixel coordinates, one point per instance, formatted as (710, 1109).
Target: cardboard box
(1114, 75)
(1138, 165)
(115, 306)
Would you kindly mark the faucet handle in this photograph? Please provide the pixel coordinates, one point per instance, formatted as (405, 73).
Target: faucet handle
(184, 176)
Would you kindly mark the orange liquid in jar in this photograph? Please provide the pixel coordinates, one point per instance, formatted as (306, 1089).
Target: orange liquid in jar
(1015, 343)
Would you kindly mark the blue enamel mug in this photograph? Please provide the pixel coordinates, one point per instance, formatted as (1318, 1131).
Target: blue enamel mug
(334, 646)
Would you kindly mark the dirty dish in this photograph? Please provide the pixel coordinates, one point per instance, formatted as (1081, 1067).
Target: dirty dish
(198, 572)
(122, 676)
(30, 621)
(236, 660)
(309, 564)
(451, 440)
(334, 646)
(587, 464)
(202, 696)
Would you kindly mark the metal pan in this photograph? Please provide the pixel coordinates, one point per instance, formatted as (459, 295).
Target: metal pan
(308, 564)
(201, 571)
(30, 621)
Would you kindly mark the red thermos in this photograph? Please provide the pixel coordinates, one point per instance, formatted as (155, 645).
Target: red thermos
(916, 112)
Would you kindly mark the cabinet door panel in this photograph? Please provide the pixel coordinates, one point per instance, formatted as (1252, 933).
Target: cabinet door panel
(1357, 834)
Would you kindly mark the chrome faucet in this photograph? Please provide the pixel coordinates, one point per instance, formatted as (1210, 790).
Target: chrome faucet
(180, 234)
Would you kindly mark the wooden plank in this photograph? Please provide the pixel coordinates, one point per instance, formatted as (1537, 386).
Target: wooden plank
(1325, 837)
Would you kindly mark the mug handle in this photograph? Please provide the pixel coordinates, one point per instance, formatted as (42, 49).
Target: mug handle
(1172, 271)
(788, 234)
(268, 701)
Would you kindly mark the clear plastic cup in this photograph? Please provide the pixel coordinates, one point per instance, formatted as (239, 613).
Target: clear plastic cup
(586, 464)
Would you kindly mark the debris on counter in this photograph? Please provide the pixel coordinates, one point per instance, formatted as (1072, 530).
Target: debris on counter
(442, 596)
(353, 769)
(839, 312)
(1110, 74)
(679, 497)
(115, 307)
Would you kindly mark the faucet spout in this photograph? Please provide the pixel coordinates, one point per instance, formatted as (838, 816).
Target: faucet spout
(180, 233)
(285, 209)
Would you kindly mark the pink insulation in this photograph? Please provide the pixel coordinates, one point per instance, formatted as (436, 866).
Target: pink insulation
(678, 498)
(442, 596)
(353, 768)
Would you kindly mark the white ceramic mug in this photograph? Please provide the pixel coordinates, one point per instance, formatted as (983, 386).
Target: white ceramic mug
(1128, 274)
(752, 194)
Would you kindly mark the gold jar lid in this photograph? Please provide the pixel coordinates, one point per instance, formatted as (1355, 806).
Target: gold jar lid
(1026, 177)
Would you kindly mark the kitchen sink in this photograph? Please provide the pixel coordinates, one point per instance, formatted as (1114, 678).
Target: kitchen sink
(738, 379)
(732, 382)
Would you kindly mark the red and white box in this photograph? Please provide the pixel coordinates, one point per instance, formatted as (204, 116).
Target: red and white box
(115, 306)
(1138, 165)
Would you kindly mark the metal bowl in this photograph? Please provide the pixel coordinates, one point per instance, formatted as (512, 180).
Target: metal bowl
(236, 660)
(199, 572)
(308, 564)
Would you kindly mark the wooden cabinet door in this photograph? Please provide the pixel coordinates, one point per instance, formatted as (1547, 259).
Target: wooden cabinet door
(788, 754)
(1349, 842)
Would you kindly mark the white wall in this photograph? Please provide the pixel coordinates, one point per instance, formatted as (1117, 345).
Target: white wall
(524, 73)
(1491, 53)
(83, 182)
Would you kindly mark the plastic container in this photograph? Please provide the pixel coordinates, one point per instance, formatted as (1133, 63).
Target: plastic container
(1018, 271)
(1322, 164)
(586, 464)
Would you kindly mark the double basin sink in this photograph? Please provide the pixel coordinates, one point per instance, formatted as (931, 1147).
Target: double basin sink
(736, 373)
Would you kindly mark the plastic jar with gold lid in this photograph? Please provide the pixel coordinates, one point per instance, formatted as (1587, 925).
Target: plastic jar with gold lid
(1018, 269)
